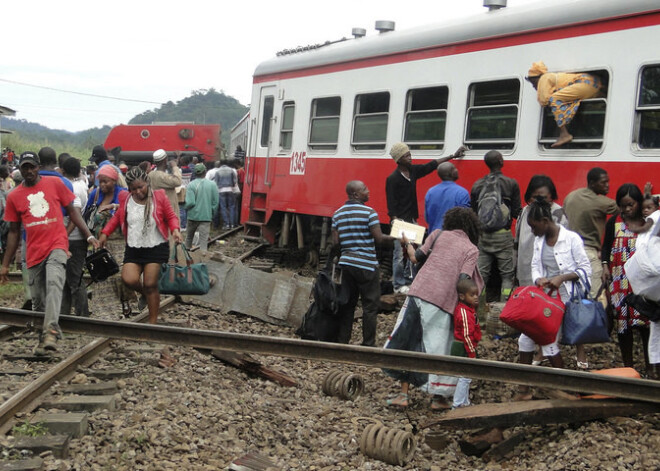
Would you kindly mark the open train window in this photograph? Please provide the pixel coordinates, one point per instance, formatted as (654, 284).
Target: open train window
(324, 123)
(492, 114)
(426, 118)
(265, 120)
(647, 111)
(588, 125)
(370, 121)
(286, 129)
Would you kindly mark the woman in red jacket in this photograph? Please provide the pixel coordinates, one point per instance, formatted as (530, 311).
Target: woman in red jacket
(145, 217)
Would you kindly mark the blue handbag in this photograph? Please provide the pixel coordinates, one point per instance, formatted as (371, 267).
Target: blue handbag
(585, 319)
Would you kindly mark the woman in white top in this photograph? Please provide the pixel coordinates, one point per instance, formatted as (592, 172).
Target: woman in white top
(558, 255)
(146, 218)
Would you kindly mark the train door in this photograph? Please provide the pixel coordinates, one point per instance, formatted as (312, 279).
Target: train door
(264, 130)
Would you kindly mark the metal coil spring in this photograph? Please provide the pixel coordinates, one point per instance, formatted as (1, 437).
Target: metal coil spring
(390, 445)
(343, 385)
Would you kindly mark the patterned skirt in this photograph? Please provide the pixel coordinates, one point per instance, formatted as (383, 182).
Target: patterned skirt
(565, 102)
(622, 249)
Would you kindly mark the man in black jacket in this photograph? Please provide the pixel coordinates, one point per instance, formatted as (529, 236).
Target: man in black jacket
(401, 191)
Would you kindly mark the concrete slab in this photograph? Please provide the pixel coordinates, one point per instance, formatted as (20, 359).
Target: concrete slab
(13, 372)
(109, 374)
(92, 389)
(32, 464)
(251, 292)
(73, 423)
(81, 403)
(56, 444)
(30, 358)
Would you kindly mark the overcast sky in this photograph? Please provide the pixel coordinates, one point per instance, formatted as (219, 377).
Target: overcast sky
(157, 51)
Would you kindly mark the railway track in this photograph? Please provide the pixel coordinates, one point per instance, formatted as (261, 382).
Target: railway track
(577, 381)
(249, 413)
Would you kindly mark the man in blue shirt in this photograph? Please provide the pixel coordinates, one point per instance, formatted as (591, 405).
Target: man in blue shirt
(444, 196)
(356, 230)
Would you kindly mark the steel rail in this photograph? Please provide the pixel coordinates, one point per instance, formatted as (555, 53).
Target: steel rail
(27, 397)
(7, 331)
(584, 382)
(250, 252)
(218, 237)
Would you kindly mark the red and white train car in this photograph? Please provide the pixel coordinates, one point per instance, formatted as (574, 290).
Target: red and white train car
(330, 114)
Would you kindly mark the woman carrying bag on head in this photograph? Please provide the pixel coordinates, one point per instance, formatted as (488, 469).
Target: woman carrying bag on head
(146, 218)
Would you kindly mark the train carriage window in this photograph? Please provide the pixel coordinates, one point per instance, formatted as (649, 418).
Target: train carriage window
(426, 118)
(269, 101)
(588, 125)
(370, 121)
(286, 129)
(324, 123)
(492, 114)
(647, 119)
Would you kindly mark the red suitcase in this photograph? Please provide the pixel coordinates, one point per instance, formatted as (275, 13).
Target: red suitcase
(534, 313)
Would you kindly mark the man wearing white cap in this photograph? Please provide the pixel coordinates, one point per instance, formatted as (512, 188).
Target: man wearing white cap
(401, 192)
(161, 179)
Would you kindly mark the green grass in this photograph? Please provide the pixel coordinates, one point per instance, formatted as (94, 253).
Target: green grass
(20, 144)
(11, 290)
(27, 429)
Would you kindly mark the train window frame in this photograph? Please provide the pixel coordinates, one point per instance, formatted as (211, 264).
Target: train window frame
(363, 104)
(286, 133)
(268, 110)
(317, 119)
(644, 109)
(412, 111)
(474, 105)
(588, 143)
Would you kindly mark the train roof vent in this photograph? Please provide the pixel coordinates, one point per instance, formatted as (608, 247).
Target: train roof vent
(384, 26)
(358, 32)
(494, 4)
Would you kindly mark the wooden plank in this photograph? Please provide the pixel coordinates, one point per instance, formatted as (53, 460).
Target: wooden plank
(247, 363)
(553, 411)
(500, 450)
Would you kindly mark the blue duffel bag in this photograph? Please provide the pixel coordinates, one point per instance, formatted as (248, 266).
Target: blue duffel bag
(585, 319)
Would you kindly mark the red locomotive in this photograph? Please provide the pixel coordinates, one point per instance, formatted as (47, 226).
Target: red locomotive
(138, 141)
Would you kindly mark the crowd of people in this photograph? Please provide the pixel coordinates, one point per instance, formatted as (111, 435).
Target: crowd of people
(53, 210)
(470, 236)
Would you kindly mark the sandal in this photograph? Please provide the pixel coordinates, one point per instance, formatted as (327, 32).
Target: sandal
(440, 403)
(583, 365)
(400, 400)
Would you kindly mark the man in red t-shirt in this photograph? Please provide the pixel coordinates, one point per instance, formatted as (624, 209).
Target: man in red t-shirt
(37, 204)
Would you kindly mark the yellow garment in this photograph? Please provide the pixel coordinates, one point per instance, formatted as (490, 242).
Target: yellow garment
(556, 84)
(537, 69)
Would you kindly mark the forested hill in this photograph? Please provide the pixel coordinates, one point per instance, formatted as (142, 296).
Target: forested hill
(33, 136)
(202, 107)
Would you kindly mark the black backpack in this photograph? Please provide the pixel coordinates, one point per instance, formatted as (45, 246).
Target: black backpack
(491, 210)
(321, 321)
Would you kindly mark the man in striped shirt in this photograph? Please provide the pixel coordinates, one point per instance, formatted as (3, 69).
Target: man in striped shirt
(356, 230)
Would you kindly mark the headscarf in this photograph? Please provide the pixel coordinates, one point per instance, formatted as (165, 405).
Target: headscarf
(537, 69)
(137, 173)
(108, 171)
